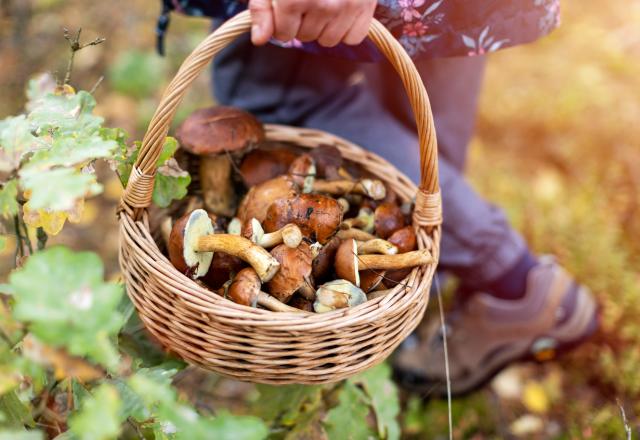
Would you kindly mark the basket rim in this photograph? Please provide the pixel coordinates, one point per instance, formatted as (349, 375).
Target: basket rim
(207, 302)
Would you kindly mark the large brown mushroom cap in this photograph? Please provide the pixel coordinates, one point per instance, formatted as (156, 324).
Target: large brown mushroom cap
(404, 239)
(323, 262)
(317, 216)
(245, 287)
(261, 165)
(220, 129)
(294, 273)
(257, 201)
(183, 237)
(388, 218)
(346, 261)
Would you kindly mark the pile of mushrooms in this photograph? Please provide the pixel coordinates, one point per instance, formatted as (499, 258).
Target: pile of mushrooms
(311, 233)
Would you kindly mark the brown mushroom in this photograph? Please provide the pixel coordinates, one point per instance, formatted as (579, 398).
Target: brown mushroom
(302, 303)
(317, 216)
(215, 134)
(323, 262)
(363, 221)
(294, 274)
(245, 290)
(349, 262)
(289, 234)
(223, 268)
(261, 165)
(192, 244)
(303, 172)
(257, 201)
(387, 219)
(405, 240)
(337, 294)
(328, 161)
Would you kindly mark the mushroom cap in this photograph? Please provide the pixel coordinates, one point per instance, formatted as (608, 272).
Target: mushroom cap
(302, 303)
(404, 239)
(184, 238)
(370, 279)
(324, 261)
(223, 267)
(388, 218)
(338, 294)
(245, 287)
(261, 165)
(294, 273)
(303, 172)
(317, 216)
(252, 230)
(220, 129)
(257, 201)
(328, 160)
(346, 261)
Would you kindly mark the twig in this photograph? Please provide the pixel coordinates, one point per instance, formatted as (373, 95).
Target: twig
(446, 354)
(27, 239)
(96, 85)
(19, 248)
(136, 426)
(627, 428)
(75, 46)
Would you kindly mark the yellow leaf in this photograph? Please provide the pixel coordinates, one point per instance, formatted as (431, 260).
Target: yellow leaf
(63, 364)
(52, 221)
(535, 398)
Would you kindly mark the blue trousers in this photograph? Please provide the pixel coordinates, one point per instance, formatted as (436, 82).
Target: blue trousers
(366, 104)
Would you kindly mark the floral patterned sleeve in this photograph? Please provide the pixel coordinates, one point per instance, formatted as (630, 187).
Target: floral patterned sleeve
(425, 28)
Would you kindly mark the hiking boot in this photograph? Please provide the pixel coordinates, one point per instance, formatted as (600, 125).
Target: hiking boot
(485, 333)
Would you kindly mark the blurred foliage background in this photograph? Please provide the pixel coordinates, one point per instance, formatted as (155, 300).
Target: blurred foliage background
(557, 145)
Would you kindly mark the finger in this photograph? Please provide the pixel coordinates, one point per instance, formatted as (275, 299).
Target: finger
(360, 28)
(287, 16)
(262, 19)
(312, 26)
(335, 31)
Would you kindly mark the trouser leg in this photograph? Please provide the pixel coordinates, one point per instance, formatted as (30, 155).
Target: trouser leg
(295, 88)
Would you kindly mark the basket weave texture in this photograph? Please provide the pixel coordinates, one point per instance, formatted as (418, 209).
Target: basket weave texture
(257, 345)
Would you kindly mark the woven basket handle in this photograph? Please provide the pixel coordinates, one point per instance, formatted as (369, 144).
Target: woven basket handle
(428, 209)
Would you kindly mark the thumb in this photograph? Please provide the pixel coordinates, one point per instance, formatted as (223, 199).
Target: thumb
(262, 19)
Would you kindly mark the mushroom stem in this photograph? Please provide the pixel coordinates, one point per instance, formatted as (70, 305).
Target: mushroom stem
(215, 180)
(344, 205)
(264, 264)
(377, 246)
(372, 188)
(363, 221)
(269, 302)
(399, 261)
(356, 234)
(289, 235)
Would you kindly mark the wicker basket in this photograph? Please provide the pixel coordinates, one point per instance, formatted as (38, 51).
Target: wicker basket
(258, 345)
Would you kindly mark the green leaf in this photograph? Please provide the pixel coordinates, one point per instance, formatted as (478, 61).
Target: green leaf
(68, 151)
(15, 413)
(38, 87)
(58, 189)
(184, 422)
(168, 188)
(348, 420)
(16, 141)
(136, 74)
(283, 403)
(8, 195)
(62, 296)
(99, 417)
(383, 395)
(65, 114)
(21, 435)
(171, 182)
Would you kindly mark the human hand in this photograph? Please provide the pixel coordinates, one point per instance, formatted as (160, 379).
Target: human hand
(329, 22)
